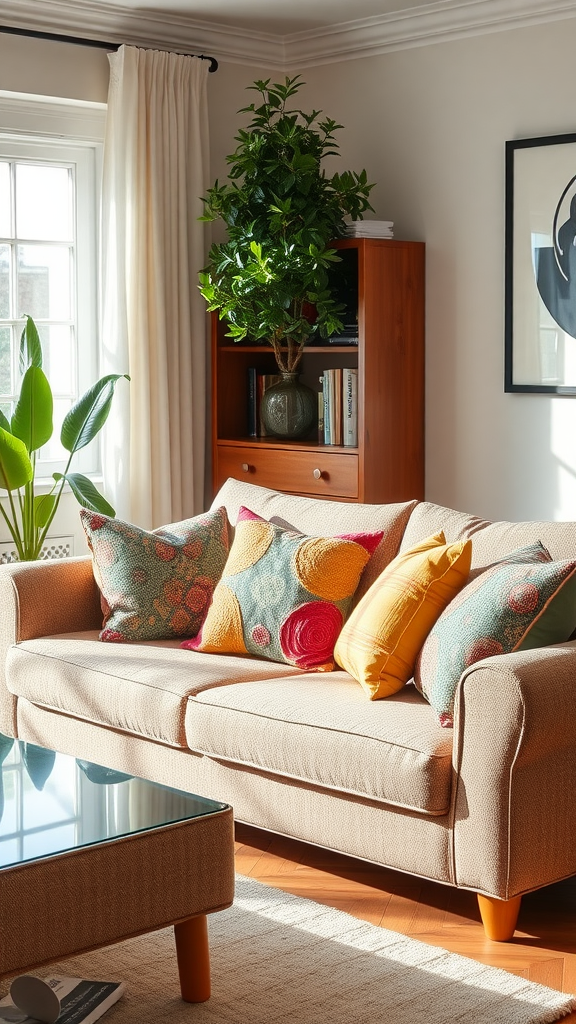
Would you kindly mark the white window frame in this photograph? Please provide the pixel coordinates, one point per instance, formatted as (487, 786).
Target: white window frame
(44, 129)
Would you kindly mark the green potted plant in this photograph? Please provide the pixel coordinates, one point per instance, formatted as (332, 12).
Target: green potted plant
(270, 280)
(29, 515)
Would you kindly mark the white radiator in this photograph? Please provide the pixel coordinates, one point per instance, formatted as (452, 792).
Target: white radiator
(54, 547)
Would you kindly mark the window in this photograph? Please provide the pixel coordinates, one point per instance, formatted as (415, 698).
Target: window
(48, 268)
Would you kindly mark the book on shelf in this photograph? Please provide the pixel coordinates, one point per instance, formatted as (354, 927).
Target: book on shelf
(252, 402)
(58, 998)
(256, 386)
(326, 406)
(336, 405)
(370, 229)
(321, 413)
(339, 397)
(350, 408)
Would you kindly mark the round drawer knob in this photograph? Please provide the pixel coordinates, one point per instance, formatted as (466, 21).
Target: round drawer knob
(317, 474)
(246, 467)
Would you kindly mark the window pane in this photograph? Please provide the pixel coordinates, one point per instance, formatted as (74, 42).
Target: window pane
(58, 361)
(43, 202)
(5, 231)
(5, 362)
(6, 408)
(44, 281)
(4, 282)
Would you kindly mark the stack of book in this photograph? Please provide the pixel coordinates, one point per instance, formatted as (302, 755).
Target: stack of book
(338, 407)
(370, 229)
(257, 384)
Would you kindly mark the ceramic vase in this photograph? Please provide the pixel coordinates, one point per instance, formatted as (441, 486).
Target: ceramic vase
(288, 408)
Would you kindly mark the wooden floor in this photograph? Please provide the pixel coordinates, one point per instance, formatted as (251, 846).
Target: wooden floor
(543, 948)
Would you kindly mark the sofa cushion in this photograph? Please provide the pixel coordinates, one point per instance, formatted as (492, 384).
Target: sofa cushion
(490, 541)
(321, 730)
(156, 584)
(509, 607)
(317, 518)
(284, 595)
(381, 640)
(138, 688)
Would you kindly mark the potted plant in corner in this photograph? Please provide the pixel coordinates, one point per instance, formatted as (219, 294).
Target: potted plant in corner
(29, 515)
(269, 280)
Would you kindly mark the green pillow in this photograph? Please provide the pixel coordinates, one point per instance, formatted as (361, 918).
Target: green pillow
(156, 585)
(513, 606)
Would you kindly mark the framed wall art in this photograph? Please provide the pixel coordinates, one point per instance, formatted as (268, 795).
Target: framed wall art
(540, 265)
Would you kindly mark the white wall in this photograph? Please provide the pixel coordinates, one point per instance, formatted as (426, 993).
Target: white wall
(429, 124)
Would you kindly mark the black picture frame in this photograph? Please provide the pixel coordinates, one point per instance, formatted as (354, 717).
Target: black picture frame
(540, 266)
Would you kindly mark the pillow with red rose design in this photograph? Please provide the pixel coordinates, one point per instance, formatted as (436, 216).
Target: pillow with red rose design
(156, 585)
(283, 595)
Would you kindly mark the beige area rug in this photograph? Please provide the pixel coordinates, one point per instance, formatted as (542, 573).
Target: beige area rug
(279, 959)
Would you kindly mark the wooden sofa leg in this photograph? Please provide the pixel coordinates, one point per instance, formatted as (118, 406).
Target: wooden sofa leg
(499, 916)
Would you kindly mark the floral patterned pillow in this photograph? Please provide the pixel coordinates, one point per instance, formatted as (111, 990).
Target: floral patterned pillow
(283, 595)
(156, 585)
(520, 603)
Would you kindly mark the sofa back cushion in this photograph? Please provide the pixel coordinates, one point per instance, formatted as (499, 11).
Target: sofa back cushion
(490, 541)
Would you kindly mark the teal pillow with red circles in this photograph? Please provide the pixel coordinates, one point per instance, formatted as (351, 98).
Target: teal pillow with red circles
(158, 584)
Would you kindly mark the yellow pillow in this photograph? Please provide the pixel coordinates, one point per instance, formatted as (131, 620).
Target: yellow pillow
(381, 640)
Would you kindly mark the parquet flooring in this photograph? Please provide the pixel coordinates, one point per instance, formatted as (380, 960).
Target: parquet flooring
(544, 945)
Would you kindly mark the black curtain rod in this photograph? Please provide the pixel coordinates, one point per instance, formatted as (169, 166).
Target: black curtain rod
(98, 43)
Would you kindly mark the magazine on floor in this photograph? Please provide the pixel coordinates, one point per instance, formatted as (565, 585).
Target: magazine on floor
(58, 998)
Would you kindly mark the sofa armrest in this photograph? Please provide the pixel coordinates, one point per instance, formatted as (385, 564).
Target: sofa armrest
(514, 794)
(39, 599)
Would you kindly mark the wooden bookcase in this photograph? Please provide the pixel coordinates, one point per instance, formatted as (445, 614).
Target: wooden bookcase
(388, 464)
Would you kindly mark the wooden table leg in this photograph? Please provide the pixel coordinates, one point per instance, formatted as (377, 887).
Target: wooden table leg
(193, 956)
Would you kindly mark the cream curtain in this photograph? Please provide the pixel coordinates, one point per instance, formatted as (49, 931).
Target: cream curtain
(155, 169)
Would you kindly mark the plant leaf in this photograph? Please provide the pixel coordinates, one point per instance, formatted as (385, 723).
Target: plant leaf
(30, 346)
(15, 466)
(86, 493)
(44, 505)
(4, 423)
(32, 419)
(89, 414)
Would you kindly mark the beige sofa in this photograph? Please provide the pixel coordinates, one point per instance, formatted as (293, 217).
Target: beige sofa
(489, 806)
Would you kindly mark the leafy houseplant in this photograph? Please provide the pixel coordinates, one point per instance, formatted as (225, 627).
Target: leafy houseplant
(29, 515)
(270, 279)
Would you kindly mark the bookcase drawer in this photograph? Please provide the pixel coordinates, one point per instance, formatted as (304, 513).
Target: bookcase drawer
(321, 473)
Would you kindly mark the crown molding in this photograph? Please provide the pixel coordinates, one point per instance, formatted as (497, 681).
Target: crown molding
(97, 20)
(438, 21)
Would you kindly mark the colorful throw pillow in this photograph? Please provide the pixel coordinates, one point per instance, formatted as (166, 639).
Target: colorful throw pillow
(513, 606)
(156, 585)
(284, 595)
(381, 640)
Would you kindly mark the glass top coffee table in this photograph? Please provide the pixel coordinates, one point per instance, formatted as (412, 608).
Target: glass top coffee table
(89, 856)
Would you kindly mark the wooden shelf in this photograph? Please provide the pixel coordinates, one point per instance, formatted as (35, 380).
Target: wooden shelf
(274, 442)
(388, 463)
(308, 349)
